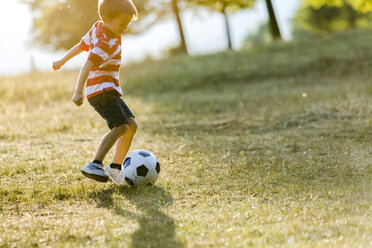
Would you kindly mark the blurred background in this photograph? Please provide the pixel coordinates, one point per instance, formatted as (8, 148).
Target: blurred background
(37, 32)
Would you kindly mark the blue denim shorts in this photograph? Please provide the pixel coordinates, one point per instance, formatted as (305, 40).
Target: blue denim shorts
(112, 108)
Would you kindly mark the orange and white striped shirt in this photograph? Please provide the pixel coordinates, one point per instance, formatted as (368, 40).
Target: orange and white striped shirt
(105, 52)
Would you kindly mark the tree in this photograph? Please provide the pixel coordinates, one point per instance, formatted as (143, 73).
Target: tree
(329, 17)
(275, 31)
(224, 7)
(359, 5)
(176, 12)
(60, 24)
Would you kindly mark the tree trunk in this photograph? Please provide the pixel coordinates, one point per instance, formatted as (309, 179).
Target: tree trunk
(227, 27)
(275, 32)
(179, 23)
(352, 15)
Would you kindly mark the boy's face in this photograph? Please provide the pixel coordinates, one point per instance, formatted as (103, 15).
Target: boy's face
(117, 25)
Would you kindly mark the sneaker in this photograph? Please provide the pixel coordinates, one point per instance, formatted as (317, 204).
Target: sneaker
(115, 175)
(95, 171)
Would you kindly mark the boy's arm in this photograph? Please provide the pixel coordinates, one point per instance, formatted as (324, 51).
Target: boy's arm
(69, 55)
(78, 96)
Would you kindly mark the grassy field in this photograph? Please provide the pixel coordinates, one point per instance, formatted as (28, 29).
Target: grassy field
(269, 147)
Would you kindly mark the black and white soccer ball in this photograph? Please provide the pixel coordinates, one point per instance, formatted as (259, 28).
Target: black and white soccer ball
(140, 167)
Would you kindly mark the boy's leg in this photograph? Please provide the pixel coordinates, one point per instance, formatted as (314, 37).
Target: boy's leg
(123, 144)
(122, 147)
(109, 140)
(114, 110)
(94, 169)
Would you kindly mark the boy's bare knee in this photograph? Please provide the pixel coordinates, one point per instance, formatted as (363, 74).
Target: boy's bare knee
(132, 125)
(121, 130)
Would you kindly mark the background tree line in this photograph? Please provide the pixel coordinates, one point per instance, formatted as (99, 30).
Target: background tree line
(60, 24)
(327, 17)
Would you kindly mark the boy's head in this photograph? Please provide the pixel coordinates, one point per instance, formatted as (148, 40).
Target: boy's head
(117, 14)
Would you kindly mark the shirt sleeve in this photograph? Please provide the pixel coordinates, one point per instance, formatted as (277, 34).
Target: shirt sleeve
(86, 40)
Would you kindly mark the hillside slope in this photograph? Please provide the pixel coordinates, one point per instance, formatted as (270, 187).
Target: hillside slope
(268, 147)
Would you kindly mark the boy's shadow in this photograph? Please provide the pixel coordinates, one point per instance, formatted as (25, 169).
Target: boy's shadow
(156, 228)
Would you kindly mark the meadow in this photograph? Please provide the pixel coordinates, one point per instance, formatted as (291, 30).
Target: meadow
(267, 147)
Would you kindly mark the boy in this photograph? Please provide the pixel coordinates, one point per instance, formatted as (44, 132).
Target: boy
(101, 71)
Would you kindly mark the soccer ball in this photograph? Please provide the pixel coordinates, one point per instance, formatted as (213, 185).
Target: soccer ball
(140, 167)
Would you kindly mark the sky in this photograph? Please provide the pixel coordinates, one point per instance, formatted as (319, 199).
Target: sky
(204, 33)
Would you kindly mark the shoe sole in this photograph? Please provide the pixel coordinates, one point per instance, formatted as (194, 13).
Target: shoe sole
(96, 177)
(113, 179)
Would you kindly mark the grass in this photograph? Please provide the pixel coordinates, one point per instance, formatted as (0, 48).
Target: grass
(268, 147)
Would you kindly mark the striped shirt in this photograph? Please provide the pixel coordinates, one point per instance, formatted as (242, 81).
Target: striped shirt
(105, 52)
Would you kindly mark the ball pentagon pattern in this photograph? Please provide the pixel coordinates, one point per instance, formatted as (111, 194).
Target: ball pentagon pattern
(140, 167)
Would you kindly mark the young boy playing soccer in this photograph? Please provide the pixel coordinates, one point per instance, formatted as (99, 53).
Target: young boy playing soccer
(101, 74)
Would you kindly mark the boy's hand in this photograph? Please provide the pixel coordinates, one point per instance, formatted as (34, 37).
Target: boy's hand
(78, 98)
(58, 64)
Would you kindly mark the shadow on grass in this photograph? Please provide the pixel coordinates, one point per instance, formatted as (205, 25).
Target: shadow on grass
(156, 228)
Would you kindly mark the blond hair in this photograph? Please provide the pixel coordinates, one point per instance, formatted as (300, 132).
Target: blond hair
(114, 8)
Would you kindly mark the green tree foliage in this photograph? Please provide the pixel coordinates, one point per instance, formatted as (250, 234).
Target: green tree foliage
(359, 5)
(60, 24)
(325, 17)
(220, 5)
